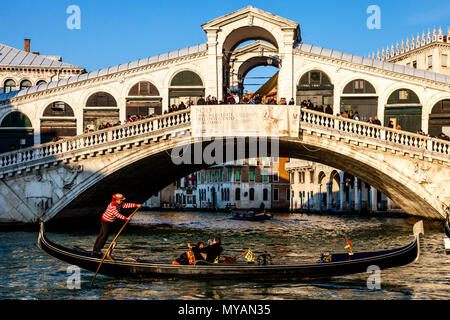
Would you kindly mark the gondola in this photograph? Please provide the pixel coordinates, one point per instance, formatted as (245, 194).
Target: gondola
(250, 215)
(340, 264)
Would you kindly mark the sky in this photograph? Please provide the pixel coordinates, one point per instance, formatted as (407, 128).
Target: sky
(114, 32)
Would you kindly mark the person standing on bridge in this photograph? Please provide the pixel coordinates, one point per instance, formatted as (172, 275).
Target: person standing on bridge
(112, 212)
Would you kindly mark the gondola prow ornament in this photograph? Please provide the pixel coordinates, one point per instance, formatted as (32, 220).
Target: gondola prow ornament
(349, 246)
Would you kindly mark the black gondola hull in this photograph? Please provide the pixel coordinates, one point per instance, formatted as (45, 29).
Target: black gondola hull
(342, 264)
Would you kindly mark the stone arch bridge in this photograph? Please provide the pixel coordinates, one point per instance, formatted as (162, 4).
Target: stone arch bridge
(76, 176)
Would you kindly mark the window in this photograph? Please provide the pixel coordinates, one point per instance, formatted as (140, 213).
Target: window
(237, 175)
(217, 176)
(327, 100)
(430, 61)
(229, 175)
(444, 60)
(414, 64)
(25, 84)
(275, 194)
(288, 194)
(265, 177)
(265, 194)
(206, 176)
(252, 175)
(10, 85)
(199, 177)
(359, 84)
(238, 194)
(252, 194)
(408, 64)
(276, 178)
(403, 94)
(40, 82)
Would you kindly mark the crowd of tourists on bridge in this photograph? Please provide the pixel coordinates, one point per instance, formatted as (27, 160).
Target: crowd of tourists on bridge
(258, 99)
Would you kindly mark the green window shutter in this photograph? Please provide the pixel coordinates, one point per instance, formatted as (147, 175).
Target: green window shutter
(238, 175)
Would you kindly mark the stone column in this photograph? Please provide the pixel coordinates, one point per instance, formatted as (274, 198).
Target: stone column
(286, 83)
(212, 79)
(341, 190)
(357, 195)
(329, 195)
(373, 192)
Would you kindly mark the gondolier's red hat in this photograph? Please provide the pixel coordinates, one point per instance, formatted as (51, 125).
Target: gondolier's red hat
(118, 196)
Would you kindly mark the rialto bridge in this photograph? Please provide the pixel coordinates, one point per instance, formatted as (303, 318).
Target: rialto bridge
(71, 176)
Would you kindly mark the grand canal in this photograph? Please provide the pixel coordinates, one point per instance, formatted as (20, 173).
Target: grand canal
(28, 273)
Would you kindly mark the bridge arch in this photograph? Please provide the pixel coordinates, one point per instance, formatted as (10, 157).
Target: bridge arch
(403, 106)
(131, 170)
(237, 36)
(185, 84)
(255, 62)
(316, 85)
(142, 98)
(99, 107)
(359, 95)
(439, 118)
(16, 131)
(57, 120)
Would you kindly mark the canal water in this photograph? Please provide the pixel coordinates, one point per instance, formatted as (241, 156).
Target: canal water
(28, 273)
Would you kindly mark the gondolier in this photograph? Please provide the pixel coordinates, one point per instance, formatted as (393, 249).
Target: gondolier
(112, 212)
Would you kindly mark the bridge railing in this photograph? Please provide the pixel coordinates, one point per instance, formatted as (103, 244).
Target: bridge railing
(84, 141)
(369, 130)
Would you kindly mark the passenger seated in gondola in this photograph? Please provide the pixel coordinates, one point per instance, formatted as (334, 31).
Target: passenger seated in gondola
(212, 252)
(189, 257)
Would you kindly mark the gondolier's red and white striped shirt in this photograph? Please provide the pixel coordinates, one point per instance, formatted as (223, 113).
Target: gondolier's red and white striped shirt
(112, 213)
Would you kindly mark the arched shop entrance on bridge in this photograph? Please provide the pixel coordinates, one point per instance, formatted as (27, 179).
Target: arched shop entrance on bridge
(184, 86)
(315, 85)
(101, 108)
(403, 107)
(143, 99)
(439, 119)
(16, 132)
(360, 96)
(58, 120)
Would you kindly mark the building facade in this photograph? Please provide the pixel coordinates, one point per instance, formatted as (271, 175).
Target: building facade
(317, 187)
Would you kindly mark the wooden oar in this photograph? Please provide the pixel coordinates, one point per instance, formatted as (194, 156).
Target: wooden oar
(112, 242)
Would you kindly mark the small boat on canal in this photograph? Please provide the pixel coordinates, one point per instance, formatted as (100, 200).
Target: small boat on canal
(334, 265)
(250, 215)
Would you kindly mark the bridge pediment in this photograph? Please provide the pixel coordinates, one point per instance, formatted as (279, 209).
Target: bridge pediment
(247, 15)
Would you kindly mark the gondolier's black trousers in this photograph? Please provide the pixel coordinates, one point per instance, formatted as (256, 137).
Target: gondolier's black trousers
(103, 236)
